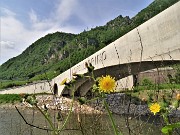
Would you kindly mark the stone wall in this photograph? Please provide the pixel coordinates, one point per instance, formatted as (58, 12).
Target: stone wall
(122, 104)
(157, 76)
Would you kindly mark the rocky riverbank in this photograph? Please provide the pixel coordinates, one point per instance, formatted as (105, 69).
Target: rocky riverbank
(119, 103)
(51, 102)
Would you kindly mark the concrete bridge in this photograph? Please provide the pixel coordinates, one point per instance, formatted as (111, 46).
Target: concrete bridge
(154, 44)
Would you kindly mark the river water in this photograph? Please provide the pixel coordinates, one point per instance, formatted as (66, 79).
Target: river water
(11, 123)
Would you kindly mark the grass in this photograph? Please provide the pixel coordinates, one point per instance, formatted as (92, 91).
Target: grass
(146, 92)
(165, 86)
(10, 98)
(10, 84)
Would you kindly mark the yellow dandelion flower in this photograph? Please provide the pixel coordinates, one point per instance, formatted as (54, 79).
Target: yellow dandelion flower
(106, 84)
(64, 82)
(154, 108)
(178, 96)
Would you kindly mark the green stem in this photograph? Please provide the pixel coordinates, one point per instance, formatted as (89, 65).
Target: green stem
(70, 111)
(92, 76)
(166, 120)
(92, 100)
(49, 121)
(111, 118)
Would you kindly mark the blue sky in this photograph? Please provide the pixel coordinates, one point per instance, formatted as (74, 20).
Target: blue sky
(22, 22)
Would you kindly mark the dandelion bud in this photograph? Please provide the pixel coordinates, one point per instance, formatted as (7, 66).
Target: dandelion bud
(82, 100)
(78, 75)
(143, 99)
(64, 82)
(178, 97)
(86, 64)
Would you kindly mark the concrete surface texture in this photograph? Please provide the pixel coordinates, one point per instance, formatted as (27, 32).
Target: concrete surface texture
(39, 87)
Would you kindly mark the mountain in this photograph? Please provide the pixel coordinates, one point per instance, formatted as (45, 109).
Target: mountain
(56, 52)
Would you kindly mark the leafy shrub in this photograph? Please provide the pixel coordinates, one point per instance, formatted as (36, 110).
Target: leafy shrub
(148, 84)
(10, 98)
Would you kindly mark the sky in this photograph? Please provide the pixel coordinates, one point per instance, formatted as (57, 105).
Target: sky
(22, 22)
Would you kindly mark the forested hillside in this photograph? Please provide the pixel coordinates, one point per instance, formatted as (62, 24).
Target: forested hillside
(55, 53)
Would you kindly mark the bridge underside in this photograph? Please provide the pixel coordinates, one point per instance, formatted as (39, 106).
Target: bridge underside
(119, 72)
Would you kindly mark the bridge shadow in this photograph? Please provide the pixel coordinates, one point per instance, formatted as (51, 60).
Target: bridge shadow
(118, 71)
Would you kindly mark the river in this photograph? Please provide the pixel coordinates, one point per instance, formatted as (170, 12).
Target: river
(11, 123)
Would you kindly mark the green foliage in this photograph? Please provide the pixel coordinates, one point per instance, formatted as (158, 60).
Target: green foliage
(153, 9)
(81, 100)
(37, 58)
(9, 98)
(173, 83)
(176, 78)
(147, 84)
(160, 87)
(169, 128)
(57, 52)
(12, 83)
(32, 100)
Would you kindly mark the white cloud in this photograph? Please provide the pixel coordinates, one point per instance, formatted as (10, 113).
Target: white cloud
(7, 44)
(11, 28)
(33, 16)
(64, 9)
(58, 17)
(16, 37)
(39, 25)
(7, 12)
